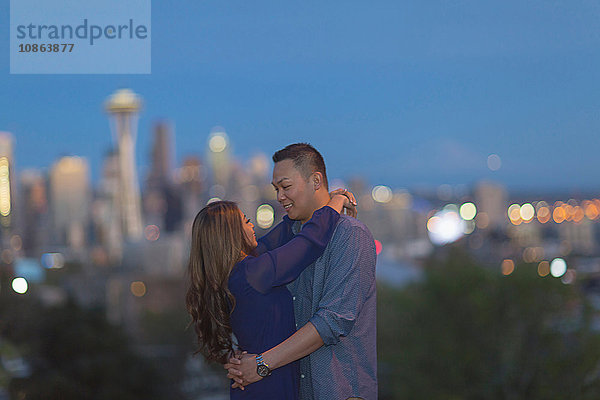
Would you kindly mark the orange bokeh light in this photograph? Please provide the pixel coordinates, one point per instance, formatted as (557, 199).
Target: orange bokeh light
(514, 214)
(152, 233)
(558, 215)
(578, 214)
(543, 268)
(543, 215)
(508, 266)
(138, 288)
(591, 211)
(569, 211)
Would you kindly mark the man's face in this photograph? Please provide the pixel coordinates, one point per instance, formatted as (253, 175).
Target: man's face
(294, 193)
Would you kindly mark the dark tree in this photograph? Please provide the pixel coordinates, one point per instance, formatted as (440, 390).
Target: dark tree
(467, 332)
(73, 353)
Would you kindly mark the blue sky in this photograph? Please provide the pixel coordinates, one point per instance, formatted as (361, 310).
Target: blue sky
(400, 92)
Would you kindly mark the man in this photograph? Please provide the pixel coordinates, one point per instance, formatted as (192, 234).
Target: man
(334, 298)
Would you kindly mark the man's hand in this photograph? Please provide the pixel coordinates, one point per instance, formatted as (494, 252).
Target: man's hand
(350, 206)
(242, 369)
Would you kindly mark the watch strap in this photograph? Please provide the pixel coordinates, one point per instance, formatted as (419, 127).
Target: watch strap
(261, 362)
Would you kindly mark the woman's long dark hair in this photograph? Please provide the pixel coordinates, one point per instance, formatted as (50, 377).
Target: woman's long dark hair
(218, 243)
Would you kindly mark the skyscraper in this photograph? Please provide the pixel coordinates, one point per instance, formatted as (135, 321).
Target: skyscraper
(70, 201)
(161, 168)
(220, 163)
(192, 176)
(35, 212)
(123, 106)
(492, 202)
(6, 186)
(107, 217)
(162, 203)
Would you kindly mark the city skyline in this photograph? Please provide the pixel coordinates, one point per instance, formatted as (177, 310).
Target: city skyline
(403, 94)
(451, 189)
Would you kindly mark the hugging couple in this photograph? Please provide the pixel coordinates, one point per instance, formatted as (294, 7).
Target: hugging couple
(290, 315)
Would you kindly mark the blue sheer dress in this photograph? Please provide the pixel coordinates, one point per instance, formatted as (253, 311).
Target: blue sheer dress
(263, 315)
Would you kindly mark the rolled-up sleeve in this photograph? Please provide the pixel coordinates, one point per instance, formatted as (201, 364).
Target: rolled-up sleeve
(349, 282)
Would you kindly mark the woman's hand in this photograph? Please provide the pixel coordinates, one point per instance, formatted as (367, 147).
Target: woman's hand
(349, 202)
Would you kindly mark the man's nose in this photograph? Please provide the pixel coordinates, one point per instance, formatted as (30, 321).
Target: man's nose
(280, 196)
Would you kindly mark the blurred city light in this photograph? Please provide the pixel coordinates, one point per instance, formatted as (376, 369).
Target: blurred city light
(527, 212)
(451, 208)
(382, 194)
(543, 268)
(138, 288)
(543, 214)
(590, 209)
(494, 162)
(30, 269)
(52, 260)
(559, 215)
(20, 285)
(507, 266)
(16, 242)
(259, 165)
(469, 227)
(596, 209)
(578, 214)
(265, 216)
(7, 256)
(569, 211)
(152, 233)
(483, 220)
(217, 142)
(569, 277)
(445, 226)
(514, 214)
(468, 211)
(558, 267)
(533, 254)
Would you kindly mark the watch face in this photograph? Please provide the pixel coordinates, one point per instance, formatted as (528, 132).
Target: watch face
(262, 370)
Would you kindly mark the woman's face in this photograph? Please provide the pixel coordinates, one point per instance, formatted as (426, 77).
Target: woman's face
(249, 230)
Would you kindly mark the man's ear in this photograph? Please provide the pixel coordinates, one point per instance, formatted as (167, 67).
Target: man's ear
(316, 179)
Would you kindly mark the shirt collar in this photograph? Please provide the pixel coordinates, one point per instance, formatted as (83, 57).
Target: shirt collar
(296, 225)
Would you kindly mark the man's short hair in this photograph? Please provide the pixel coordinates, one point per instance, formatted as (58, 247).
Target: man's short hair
(306, 159)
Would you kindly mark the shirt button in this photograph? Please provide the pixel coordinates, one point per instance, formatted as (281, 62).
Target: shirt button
(294, 298)
(302, 376)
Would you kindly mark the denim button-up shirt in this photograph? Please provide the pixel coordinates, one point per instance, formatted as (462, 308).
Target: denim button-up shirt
(337, 294)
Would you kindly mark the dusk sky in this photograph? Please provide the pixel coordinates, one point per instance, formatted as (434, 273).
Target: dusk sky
(403, 93)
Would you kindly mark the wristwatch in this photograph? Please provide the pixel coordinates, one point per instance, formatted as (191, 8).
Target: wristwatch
(262, 369)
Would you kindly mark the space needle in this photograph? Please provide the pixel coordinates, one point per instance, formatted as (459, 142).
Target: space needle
(123, 107)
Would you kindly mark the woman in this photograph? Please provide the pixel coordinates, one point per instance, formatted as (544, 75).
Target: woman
(237, 286)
